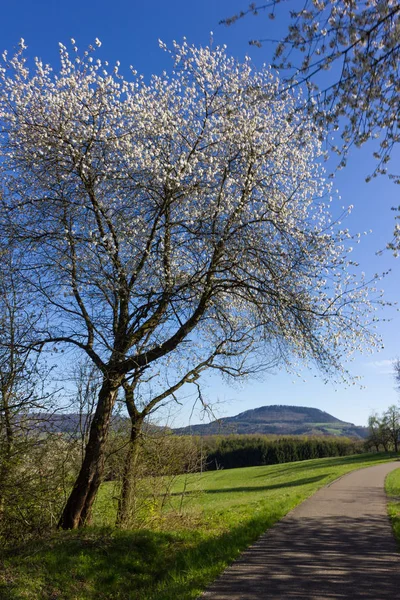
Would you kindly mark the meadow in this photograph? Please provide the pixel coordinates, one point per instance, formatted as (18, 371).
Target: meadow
(224, 512)
(392, 486)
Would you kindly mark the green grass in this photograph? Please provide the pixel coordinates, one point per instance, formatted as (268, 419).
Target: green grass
(234, 508)
(392, 486)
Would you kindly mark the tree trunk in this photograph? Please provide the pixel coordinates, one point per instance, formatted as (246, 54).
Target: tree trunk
(79, 504)
(5, 465)
(125, 501)
(4, 472)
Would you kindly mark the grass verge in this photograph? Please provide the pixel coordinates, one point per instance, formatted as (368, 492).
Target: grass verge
(392, 486)
(235, 507)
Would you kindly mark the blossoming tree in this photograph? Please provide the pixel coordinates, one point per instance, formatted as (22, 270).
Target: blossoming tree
(358, 41)
(171, 225)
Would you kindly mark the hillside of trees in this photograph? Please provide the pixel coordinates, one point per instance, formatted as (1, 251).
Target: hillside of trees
(279, 420)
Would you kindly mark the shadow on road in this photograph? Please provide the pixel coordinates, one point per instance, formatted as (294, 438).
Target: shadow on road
(328, 557)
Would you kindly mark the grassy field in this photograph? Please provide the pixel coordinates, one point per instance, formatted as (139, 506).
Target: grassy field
(233, 508)
(392, 486)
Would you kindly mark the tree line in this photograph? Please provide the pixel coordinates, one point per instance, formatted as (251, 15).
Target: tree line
(384, 430)
(251, 450)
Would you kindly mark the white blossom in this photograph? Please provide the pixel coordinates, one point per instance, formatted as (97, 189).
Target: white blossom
(188, 210)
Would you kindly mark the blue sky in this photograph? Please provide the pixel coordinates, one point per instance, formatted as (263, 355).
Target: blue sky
(129, 32)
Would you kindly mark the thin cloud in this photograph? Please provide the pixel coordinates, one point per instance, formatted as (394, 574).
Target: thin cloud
(384, 367)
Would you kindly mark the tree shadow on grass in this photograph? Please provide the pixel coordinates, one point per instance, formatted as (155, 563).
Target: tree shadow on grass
(90, 564)
(274, 486)
(336, 461)
(256, 488)
(141, 565)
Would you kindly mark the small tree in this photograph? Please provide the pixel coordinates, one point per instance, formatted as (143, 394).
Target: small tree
(86, 381)
(30, 463)
(391, 421)
(163, 223)
(379, 435)
(374, 438)
(18, 362)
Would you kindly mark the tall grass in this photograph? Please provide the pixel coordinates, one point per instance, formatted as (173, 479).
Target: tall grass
(392, 486)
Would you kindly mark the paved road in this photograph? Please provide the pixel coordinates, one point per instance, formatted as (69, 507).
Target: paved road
(338, 544)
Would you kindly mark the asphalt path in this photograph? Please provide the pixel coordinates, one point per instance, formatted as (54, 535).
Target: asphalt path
(338, 544)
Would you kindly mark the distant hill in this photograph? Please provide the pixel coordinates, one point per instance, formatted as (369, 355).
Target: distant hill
(278, 420)
(275, 419)
(73, 423)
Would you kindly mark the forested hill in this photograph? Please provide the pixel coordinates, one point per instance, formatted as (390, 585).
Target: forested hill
(279, 420)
